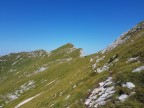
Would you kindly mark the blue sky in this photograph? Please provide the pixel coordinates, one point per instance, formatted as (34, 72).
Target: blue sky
(27, 25)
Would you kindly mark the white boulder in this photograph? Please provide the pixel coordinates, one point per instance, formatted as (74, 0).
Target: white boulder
(129, 85)
(123, 97)
(138, 69)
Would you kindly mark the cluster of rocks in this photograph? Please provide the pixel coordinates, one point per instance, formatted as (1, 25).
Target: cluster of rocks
(17, 93)
(100, 95)
(124, 96)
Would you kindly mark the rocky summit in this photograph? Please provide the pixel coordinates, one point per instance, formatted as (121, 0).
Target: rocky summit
(65, 78)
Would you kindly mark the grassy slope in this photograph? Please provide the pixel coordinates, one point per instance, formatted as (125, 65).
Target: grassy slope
(77, 72)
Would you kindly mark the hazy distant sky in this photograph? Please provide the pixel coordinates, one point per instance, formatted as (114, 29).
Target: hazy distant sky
(27, 25)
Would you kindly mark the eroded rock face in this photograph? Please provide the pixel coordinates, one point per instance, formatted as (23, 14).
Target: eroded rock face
(17, 93)
(124, 37)
(99, 96)
(102, 94)
(119, 41)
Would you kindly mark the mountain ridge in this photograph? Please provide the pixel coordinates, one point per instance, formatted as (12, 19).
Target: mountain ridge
(64, 78)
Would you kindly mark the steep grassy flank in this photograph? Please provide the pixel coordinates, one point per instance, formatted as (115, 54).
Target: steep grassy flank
(63, 78)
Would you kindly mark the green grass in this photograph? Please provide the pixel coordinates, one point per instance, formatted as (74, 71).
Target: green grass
(77, 72)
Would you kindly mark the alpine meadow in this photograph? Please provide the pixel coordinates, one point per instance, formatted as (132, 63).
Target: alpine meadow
(65, 78)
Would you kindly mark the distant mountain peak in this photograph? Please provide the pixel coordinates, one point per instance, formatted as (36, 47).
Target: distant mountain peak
(67, 50)
(68, 45)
